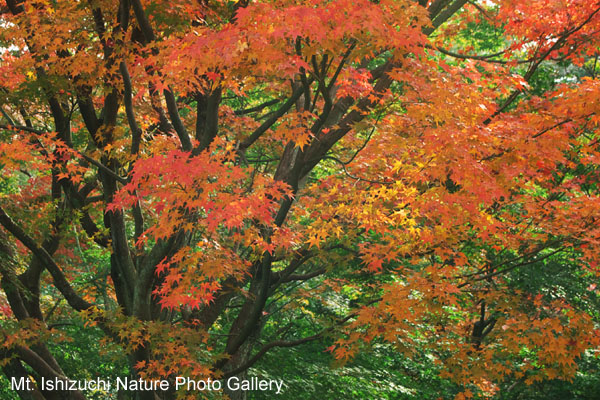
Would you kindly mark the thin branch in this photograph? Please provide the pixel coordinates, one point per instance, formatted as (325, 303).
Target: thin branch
(102, 167)
(268, 123)
(87, 158)
(60, 281)
(355, 177)
(341, 65)
(297, 262)
(562, 39)
(8, 117)
(486, 57)
(291, 343)
(22, 128)
(269, 346)
(303, 277)
(257, 108)
(510, 268)
(540, 133)
(362, 147)
(481, 10)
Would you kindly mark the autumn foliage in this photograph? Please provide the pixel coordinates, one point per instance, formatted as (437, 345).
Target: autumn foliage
(188, 179)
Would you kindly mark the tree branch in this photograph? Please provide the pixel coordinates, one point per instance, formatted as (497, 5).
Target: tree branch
(257, 108)
(268, 123)
(291, 343)
(60, 281)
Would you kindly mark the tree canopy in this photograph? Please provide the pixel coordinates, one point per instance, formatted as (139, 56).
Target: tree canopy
(203, 189)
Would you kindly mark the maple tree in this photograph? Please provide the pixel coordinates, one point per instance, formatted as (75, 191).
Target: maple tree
(188, 182)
